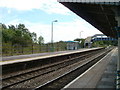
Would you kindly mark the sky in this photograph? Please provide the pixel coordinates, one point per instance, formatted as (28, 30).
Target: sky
(37, 15)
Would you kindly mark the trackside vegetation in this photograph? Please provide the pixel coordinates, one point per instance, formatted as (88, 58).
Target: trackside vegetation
(17, 40)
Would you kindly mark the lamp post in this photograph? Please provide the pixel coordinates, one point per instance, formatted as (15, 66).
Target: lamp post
(80, 34)
(80, 38)
(52, 46)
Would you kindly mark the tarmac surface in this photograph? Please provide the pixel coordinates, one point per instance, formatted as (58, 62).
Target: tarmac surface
(100, 75)
(31, 55)
(9, 58)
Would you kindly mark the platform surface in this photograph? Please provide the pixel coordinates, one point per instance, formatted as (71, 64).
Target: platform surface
(100, 75)
(23, 58)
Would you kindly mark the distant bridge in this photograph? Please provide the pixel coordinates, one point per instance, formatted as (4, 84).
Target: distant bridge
(101, 37)
(97, 37)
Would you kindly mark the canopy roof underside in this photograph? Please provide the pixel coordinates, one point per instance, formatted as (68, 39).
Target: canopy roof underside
(99, 13)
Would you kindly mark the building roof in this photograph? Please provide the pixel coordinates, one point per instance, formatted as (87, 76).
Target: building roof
(98, 35)
(88, 39)
(71, 41)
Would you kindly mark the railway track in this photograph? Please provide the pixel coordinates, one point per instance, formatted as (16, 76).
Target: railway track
(61, 81)
(17, 79)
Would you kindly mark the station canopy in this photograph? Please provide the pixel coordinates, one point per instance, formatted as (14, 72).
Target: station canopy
(99, 13)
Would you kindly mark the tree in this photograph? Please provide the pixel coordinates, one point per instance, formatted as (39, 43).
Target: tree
(18, 34)
(34, 37)
(104, 43)
(21, 26)
(3, 26)
(17, 37)
(24, 37)
(40, 40)
(12, 27)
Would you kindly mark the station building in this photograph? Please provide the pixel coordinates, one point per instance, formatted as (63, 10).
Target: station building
(72, 45)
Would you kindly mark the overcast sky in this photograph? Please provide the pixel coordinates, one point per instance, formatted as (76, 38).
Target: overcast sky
(37, 16)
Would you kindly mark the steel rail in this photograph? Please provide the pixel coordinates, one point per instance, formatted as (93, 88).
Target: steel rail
(56, 82)
(49, 71)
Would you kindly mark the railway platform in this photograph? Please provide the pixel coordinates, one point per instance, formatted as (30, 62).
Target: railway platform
(49, 71)
(100, 75)
(31, 57)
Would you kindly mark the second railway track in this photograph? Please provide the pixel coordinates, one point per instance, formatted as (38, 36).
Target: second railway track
(24, 79)
(64, 79)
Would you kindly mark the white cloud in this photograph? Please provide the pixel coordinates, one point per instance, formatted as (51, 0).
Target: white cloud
(14, 22)
(62, 30)
(49, 6)
(9, 11)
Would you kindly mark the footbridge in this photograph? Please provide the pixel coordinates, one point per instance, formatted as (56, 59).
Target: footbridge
(97, 37)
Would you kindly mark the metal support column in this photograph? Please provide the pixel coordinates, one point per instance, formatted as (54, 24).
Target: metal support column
(118, 62)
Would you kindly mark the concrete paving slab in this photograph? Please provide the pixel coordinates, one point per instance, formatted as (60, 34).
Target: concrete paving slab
(111, 80)
(105, 86)
(108, 79)
(92, 77)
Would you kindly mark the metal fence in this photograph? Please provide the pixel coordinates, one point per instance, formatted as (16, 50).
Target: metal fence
(10, 50)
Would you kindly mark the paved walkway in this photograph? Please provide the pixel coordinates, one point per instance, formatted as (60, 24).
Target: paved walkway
(101, 75)
(31, 57)
(108, 78)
